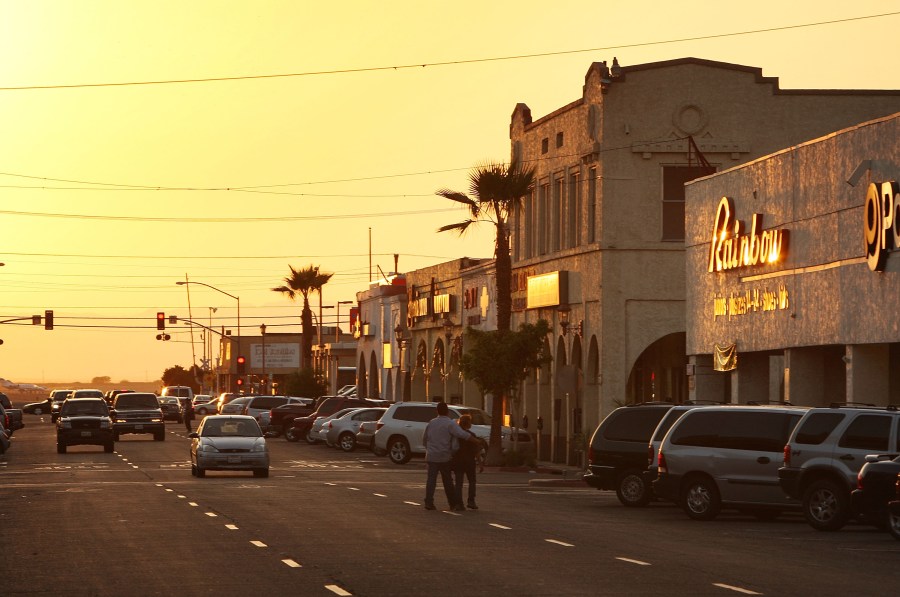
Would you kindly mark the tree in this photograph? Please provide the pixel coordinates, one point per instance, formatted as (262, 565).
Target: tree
(303, 282)
(101, 380)
(497, 190)
(304, 383)
(179, 376)
(498, 362)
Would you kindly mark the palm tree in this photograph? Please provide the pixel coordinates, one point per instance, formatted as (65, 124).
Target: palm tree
(303, 282)
(496, 191)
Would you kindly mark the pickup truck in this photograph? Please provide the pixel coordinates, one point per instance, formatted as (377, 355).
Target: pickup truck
(14, 414)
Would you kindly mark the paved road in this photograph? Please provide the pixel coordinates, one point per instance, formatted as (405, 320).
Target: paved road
(136, 522)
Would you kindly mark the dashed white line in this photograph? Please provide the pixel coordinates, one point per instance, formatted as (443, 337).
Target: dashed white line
(379, 495)
(292, 563)
(563, 543)
(159, 484)
(212, 514)
(258, 544)
(332, 484)
(193, 504)
(231, 527)
(500, 526)
(412, 503)
(353, 488)
(737, 589)
(181, 497)
(337, 590)
(630, 561)
(170, 490)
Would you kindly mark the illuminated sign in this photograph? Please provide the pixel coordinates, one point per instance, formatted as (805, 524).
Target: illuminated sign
(547, 290)
(732, 246)
(882, 222)
(441, 303)
(766, 300)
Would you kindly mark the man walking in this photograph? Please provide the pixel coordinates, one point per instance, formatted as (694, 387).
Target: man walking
(439, 440)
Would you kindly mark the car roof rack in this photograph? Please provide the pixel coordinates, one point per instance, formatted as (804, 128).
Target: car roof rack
(889, 407)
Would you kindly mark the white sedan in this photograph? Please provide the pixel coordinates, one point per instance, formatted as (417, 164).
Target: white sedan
(229, 443)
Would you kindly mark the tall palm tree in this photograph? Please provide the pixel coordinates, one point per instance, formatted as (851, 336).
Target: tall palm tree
(303, 282)
(496, 191)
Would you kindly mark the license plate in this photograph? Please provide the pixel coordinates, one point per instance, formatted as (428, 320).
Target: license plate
(138, 426)
(85, 434)
(234, 460)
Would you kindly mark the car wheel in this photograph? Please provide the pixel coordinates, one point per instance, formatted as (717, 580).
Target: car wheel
(108, 448)
(700, 499)
(631, 489)
(894, 525)
(200, 473)
(347, 442)
(261, 472)
(826, 505)
(398, 450)
(310, 439)
(202, 412)
(60, 448)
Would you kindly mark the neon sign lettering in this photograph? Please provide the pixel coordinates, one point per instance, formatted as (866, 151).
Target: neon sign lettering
(882, 222)
(732, 246)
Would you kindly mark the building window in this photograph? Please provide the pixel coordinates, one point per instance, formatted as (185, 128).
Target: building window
(592, 206)
(543, 225)
(573, 203)
(674, 178)
(528, 231)
(557, 215)
(545, 145)
(559, 139)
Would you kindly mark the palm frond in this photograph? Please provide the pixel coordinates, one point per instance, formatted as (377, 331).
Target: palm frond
(459, 227)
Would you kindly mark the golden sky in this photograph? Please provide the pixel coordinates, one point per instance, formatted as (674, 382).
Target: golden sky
(111, 192)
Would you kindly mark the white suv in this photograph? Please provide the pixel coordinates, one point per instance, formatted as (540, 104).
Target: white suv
(399, 431)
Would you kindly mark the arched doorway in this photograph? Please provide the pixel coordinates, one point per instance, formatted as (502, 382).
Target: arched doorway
(659, 373)
(361, 378)
(374, 378)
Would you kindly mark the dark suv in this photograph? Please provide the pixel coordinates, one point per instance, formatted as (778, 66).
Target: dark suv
(138, 412)
(617, 457)
(84, 421)
(825, 453)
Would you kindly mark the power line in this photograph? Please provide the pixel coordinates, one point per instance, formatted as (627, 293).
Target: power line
(241, 220)
(448, 62)
(294, 257)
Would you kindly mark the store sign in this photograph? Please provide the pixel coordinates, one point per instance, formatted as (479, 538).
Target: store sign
(882, 222)
(751, 300)
(733, 246)
(548, 290)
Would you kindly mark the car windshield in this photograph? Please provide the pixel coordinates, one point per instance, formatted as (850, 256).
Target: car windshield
(230, 428)
(85, 408)
(136, 401)
(479, 417)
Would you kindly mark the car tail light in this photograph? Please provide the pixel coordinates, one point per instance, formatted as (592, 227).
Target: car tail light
(378, 425)
(661, 467)
(787, 455)
(330, 425)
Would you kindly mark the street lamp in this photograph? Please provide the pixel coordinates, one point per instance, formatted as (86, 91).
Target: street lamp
(337, 327)
(262, 331)
(186, 282)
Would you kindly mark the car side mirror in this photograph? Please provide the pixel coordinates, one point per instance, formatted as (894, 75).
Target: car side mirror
(193, 434)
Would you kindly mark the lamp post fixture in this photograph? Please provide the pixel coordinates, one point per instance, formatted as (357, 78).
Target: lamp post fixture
(187, 282)
(262, 331)
(337, 327)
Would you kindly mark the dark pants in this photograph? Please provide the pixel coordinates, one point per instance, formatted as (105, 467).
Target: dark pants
(445, 470)
(187, 422)
(464, 470)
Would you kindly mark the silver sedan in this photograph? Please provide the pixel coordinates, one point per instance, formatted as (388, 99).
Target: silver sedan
(229, 443)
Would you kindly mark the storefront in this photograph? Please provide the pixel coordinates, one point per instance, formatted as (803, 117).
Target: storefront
(793, 273)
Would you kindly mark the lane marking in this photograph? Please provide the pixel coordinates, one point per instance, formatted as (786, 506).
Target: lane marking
(337, 590)
(159, 484)
(412, 503)
(500, 526)
(181, 497)
(563, 543)
(630, 561)
(231, 527)
(258, 544)
(737, 589)
(332, 484)
(292, 563)
(170, 490)
(379, 495)
(194, 504)
(353, 488)
(212, 514)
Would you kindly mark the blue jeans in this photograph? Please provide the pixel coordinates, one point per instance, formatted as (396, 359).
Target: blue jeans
(444, 468)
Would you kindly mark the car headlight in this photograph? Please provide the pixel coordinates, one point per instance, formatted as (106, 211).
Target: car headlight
(206, 448)
(259, 446)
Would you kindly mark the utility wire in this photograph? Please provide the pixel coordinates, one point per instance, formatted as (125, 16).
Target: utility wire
(450, 62)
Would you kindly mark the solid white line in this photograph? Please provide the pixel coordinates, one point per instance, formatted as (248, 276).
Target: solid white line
(630, 561)
(337, 590)
(559, 542)
(738, 589)
(258, 544)
(292, 563)
(231, 527)
(500, 526)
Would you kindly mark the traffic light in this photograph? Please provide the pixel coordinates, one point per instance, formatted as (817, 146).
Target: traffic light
(48, 319)
(239, 382)
(241, 365)
(160, 320)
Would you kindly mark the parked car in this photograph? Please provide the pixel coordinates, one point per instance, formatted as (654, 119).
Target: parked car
(14, 414)
(84, 421)
(401, 428)
(263, 404)
(365, 436)
(726, 456)
(229, 443)
(223, 399)
(327, 405)
(138, 412)
(894, 511)
(341, 431)
(171, 408)
(823, 457)
(617, 456)
(235, 406)
(317, 432)
(209, 407)
(875, 487)
(282, 417)
(4, 433)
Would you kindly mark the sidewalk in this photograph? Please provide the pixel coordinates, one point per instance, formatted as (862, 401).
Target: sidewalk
(562, 475)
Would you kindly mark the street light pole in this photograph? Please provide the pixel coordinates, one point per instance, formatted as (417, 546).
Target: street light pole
(184, 282)
(262, 331)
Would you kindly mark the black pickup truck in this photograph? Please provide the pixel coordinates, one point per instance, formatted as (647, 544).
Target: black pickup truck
(14, 414)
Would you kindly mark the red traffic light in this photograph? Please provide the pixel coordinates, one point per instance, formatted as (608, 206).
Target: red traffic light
(241, 365)
(160, 320)
(239, 381)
